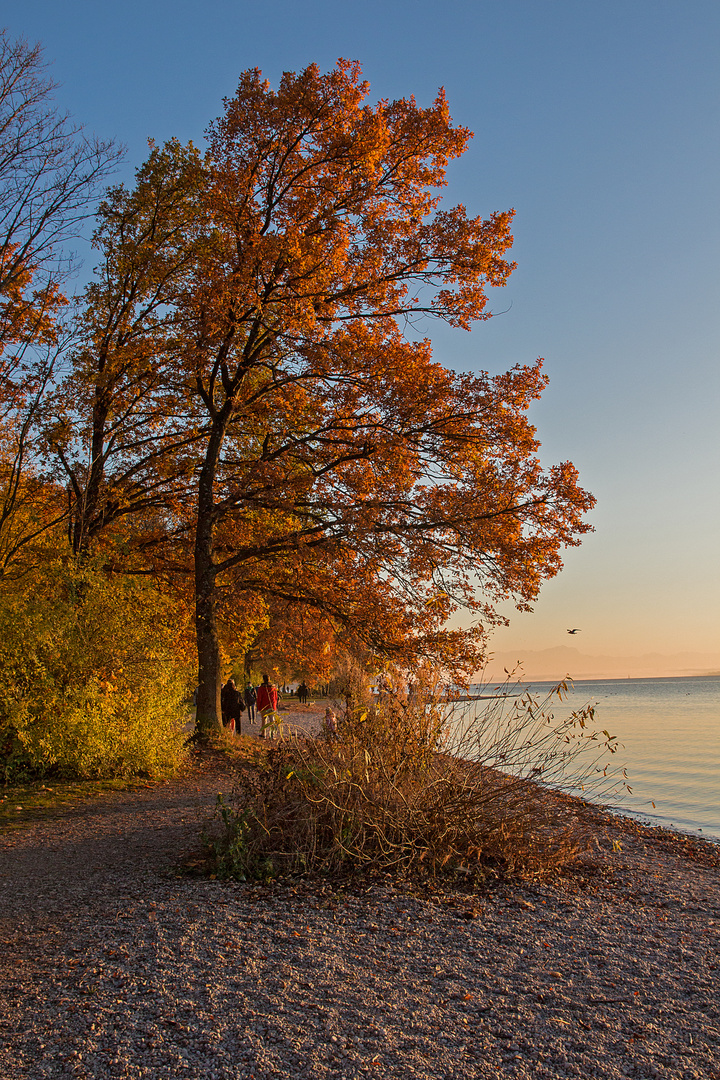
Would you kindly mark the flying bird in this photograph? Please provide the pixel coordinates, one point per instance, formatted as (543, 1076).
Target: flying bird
(575, 631)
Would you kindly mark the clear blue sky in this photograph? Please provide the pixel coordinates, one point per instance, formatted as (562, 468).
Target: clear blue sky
(600, 124)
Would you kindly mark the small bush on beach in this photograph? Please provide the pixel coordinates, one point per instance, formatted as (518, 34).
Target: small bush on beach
(419, 789)
(91, 678)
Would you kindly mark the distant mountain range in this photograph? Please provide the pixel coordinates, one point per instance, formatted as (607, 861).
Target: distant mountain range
(556, 663)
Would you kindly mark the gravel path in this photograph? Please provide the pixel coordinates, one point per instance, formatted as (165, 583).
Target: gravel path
(111, 966)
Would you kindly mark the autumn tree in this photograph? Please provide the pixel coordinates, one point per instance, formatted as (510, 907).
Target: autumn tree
(49, 172)
(92, 668)
(326, 427)
(121, 430)
(49, 175)
(253, 406)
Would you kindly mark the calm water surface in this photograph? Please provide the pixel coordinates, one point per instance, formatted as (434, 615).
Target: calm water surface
(670, 735)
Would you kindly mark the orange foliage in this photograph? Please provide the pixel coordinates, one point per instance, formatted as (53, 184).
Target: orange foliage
(265, 401)
(25, 314)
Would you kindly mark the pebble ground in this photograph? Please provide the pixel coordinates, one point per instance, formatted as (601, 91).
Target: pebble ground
(112, 966)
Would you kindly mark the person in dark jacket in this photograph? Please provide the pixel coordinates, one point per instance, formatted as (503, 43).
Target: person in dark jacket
(250, 699)
(231, 705)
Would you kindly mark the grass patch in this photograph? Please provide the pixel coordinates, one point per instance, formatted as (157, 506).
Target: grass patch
(21, 803)
(43, 797)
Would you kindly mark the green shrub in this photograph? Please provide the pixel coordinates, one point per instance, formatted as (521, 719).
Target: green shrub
(233, 856)
(92, 676)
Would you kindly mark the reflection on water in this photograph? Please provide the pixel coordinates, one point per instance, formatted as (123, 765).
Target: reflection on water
(670, 729)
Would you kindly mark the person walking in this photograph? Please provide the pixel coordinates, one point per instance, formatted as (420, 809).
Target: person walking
(267, 702)
(232, 705)
(250, 699)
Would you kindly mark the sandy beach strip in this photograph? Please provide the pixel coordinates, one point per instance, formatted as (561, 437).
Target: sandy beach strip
(297, 719)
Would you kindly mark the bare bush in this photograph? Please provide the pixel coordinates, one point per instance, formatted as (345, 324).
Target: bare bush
(421, 788)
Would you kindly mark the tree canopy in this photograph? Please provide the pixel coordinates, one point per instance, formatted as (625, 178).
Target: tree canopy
(251, 404)
(50, 172)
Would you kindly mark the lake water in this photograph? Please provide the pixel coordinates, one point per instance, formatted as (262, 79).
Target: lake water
(670, 735)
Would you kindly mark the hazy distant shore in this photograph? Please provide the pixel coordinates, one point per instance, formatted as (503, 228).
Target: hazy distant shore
(548, 665)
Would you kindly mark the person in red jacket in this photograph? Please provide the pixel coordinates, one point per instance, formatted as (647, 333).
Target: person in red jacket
(267, 701)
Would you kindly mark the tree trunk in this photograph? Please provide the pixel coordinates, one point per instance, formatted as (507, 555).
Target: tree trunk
(209, 716)
(87, 510)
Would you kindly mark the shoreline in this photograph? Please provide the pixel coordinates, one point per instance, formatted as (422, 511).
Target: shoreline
(650, 821)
